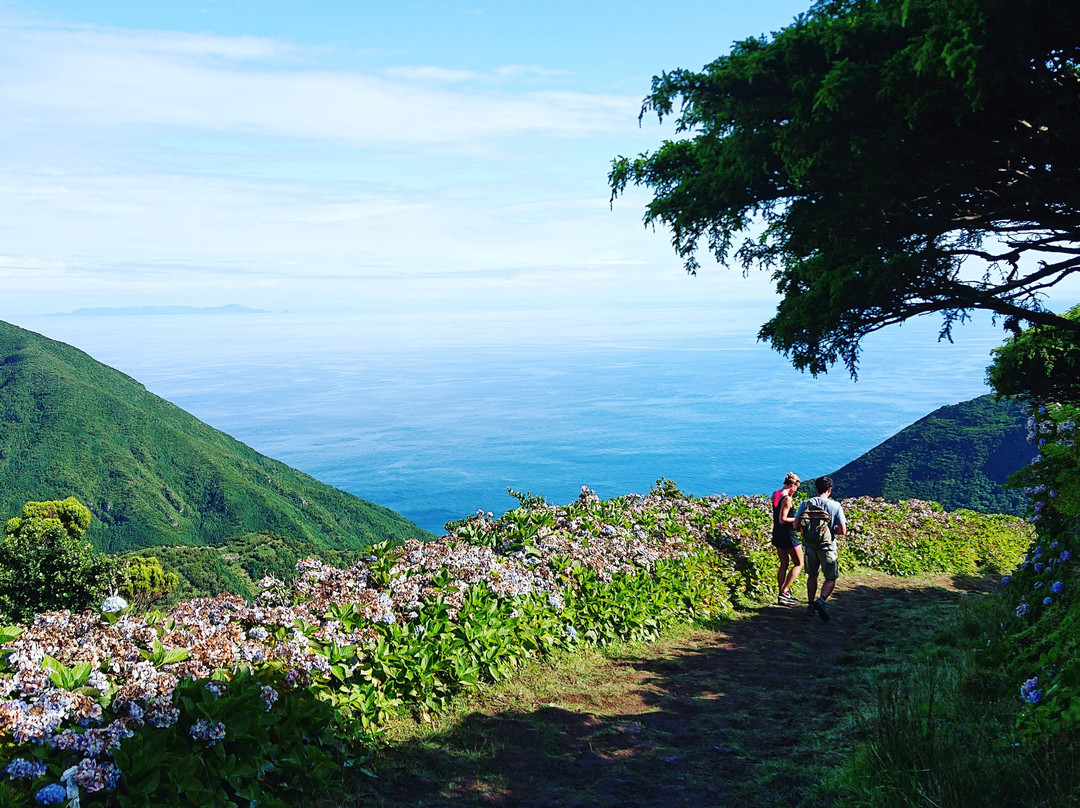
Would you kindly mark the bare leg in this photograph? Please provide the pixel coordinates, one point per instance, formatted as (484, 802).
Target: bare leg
(795, 554)
(811, 588)
(827, 588)
(781, 574)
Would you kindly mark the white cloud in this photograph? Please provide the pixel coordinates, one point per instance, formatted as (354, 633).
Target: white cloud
(252, 85)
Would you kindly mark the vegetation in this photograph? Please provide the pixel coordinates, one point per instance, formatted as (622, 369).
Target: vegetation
(998, 714)
(1040, 364)
(960, 456)
(886, 159)
(218, 701)
(45, 564)
(149, 472)
(142, 581)
(234, 566)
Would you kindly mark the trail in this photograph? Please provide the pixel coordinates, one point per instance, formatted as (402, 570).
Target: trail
(752, 715)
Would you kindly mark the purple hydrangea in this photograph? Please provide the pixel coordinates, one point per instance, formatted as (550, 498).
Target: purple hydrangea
(1006, 579)
(1065, 555)
(21, 768)
(1029, 690)
(1040, 567)
(1057, 587)
(1022, 609)
(208, 731)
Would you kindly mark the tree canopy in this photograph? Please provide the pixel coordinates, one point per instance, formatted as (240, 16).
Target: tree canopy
(45, 564)
(1040, 363)
(884, 159)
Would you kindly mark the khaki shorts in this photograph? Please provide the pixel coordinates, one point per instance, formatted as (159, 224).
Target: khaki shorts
(823, 558)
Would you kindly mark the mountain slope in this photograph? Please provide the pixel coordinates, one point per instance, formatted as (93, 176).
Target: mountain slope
(150, 472)
(958, 455)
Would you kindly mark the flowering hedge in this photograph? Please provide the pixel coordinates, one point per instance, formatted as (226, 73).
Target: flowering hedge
(221, 702)
(1041, 640)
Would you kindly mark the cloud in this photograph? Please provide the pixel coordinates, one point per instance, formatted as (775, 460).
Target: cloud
(91, 77)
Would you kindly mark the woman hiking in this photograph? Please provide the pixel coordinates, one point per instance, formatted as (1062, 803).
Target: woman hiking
(786, 540)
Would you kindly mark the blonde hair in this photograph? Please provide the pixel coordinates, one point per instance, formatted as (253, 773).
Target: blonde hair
(791, 478)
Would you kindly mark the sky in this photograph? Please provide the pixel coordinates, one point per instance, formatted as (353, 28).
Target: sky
(353, 156)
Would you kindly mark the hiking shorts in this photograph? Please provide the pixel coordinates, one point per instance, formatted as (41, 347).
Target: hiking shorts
(823, 558)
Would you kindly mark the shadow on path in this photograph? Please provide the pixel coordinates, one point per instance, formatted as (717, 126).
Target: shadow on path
(750, 715)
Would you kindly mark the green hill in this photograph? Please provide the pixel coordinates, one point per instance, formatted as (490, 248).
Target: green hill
(151, 473)
(958, 455)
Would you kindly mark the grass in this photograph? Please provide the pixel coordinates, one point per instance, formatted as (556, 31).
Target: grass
(759, 711)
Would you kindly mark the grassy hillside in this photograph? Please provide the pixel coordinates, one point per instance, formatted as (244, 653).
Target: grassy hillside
(151, 473)
(959, 456)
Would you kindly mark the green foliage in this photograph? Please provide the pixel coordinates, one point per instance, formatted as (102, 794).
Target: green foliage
(1002, 717)
(266, 749)
(151, 473)
(45, 564)
(867, 151)
(275, 732)
(233, 566)
(142, 580)
(960, 456)
(1041, 364)
(666, 488)
(527, 499)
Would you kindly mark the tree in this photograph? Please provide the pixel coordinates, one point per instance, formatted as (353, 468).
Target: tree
(142, 580)
(45, 564)
(1041, 364)
(884, 159)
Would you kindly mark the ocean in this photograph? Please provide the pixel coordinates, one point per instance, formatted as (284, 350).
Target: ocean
(435, 415)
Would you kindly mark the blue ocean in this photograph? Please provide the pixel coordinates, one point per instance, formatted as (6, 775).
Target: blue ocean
(436, 415)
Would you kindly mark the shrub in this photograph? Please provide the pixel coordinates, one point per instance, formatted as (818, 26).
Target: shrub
(45, 564)
(177, 707)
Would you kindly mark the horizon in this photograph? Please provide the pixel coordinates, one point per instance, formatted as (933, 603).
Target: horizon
(393, 178)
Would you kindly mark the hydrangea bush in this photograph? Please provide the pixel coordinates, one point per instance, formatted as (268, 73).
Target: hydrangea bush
(1041, 640)
(221, 701)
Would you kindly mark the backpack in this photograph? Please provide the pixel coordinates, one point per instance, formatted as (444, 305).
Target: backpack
(816, 525)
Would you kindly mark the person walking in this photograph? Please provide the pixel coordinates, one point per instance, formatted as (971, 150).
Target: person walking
(819, 520)
(786, 540)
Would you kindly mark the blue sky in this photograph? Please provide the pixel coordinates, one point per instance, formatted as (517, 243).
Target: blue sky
(354, 156)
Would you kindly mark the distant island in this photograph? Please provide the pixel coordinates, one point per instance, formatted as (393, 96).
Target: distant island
(122, 311)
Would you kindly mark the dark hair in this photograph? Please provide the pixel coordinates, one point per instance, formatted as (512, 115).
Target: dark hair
(823, 484)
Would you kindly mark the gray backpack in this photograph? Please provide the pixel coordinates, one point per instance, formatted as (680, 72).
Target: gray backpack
(816, 525)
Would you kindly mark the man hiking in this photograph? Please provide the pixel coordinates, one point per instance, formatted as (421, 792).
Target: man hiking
(819, 521)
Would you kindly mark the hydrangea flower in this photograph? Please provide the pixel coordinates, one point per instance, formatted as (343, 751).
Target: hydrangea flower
(1006, 579)
(1029, 690)
(1057, 587)
(269, 696)
(1022, 609)
(113, 604)
(208, 731)
(1065, 555)
(21, 768)
(571, 632)
(1047, 601)
(1040, 567)
(52, 794)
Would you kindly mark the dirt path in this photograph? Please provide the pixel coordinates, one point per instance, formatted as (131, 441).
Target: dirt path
(752, 715)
